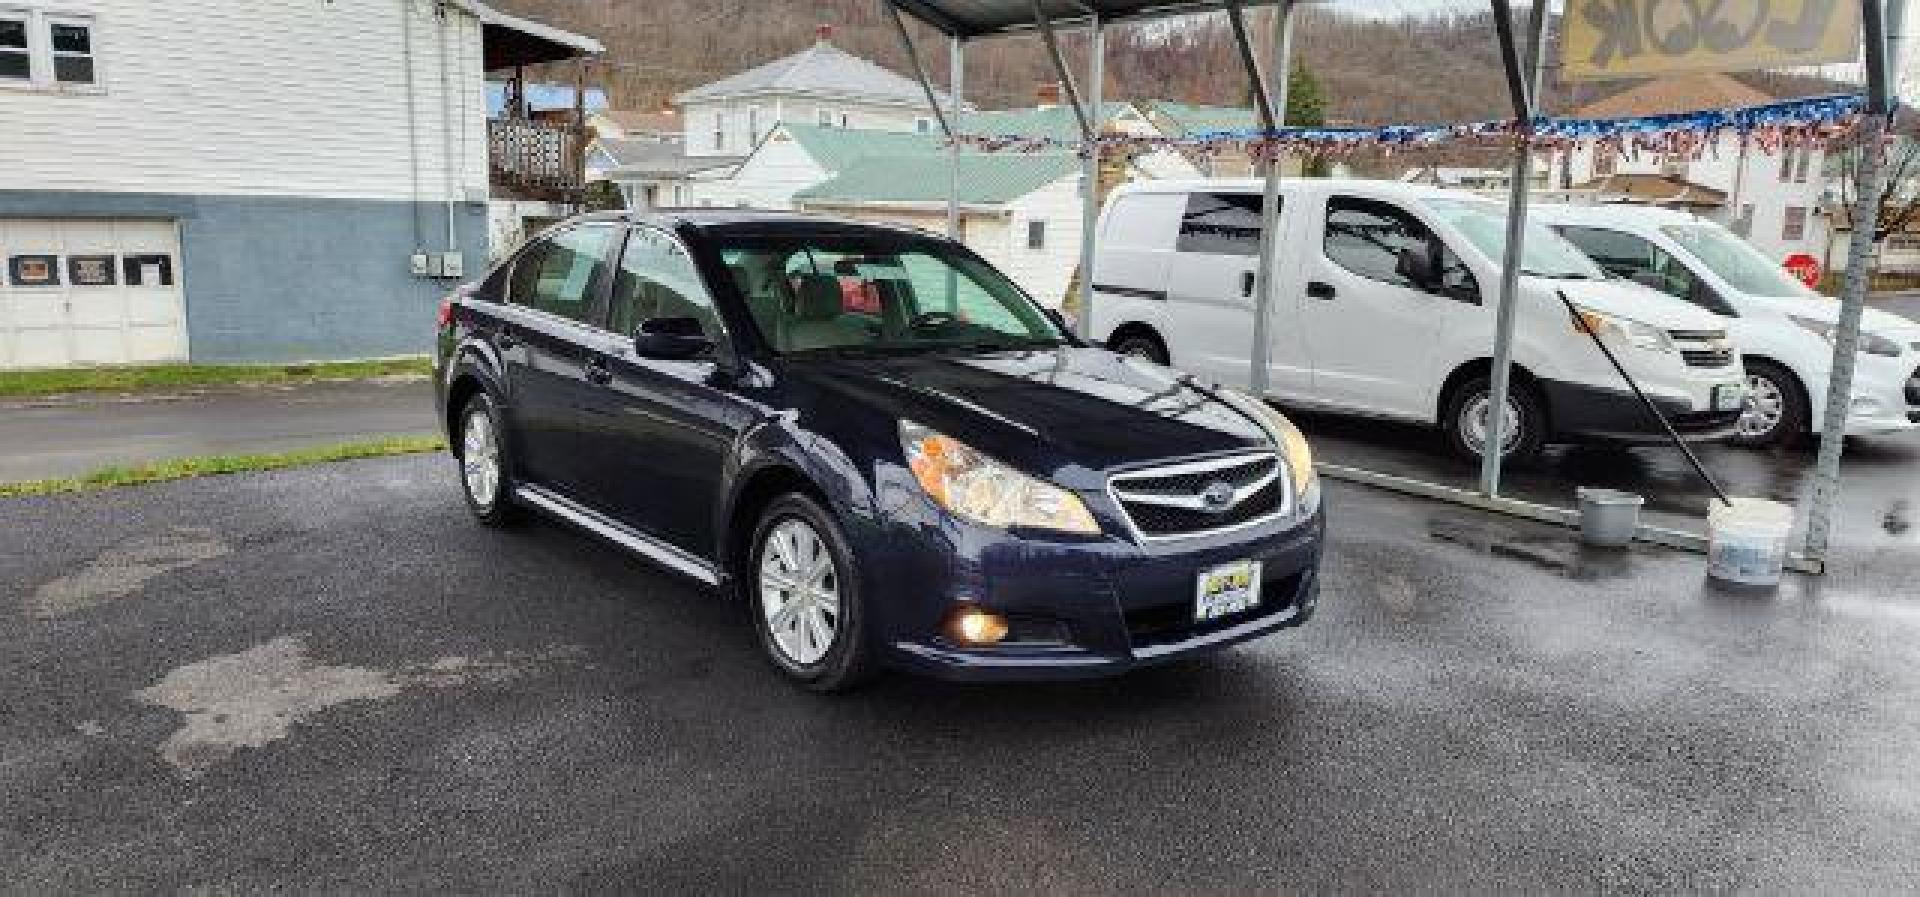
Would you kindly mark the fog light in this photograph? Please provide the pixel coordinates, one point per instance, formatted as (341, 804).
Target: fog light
(970, 624)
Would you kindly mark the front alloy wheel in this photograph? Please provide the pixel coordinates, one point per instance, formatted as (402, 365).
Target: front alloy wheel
(1775, 412)
(805, 596)
(485, 462)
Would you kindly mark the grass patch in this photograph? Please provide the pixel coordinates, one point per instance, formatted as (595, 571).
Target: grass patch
(184, 468)
(180, 376)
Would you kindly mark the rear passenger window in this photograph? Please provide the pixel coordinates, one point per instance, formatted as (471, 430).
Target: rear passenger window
(1221, 224)
(1367, 237)
(557, 274)
(657, 280)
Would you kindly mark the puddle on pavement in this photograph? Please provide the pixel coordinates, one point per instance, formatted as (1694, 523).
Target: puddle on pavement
(1548, 547)
(253, 698)
(125, 569)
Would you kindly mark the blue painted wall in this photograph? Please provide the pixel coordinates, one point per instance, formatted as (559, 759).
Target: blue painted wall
(292, 278)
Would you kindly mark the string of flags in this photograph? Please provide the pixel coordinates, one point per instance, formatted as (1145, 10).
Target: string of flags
(1768, 127)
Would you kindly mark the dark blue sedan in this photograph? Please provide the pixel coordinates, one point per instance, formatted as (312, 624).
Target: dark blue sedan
(879, 443)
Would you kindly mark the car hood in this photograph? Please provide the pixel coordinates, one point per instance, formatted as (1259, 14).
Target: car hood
(1631, 300)
(1048, 412)
(1828, 311)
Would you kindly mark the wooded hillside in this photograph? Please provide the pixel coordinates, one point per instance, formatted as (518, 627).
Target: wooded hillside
(1437, 68)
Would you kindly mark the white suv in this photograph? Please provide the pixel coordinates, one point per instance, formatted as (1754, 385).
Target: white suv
(1385, 307)
(1782, 328)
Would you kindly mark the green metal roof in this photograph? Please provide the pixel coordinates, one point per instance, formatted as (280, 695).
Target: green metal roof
(1191, 119)
(1057, 123)
(837, 148)
(985, 178)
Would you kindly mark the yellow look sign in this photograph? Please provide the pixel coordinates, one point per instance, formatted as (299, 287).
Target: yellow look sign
(1604, 39)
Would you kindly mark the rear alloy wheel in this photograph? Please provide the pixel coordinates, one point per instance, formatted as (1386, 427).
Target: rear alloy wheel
(805, 596)
(1142, 346)
(1469, 416)
(1776, 410)
(484, 462)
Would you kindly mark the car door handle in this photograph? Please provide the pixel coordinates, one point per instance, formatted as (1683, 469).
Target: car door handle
(1246, 283)
(1319, 290)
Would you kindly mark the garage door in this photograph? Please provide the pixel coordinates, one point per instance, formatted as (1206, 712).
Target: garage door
(83, 292)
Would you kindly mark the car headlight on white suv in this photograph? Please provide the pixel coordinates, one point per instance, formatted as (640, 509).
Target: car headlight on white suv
(1870, 343)
(978, 488)
(1622, 329)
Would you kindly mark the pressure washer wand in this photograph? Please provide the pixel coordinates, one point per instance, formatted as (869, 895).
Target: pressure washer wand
(1652, 409)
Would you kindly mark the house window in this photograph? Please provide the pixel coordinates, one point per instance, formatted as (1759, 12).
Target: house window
(1605, 161)
(47, 51)
(1674, 165)
(1786, 164)
(923, 125)
(1036, 234)
(1800, 166)
(1796, 224)
(16, 58)
(826, 118)
(753, 124)
(72, 41)
(719, 130)
(1743, 225)
(843, 119)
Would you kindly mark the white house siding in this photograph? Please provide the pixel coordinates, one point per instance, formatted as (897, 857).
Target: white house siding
(240, 97)
(1753, 179)
(736, 138)
(1043, 272)
(766, 180)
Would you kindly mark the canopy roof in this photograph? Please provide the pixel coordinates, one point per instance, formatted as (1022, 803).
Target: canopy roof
(984, 18)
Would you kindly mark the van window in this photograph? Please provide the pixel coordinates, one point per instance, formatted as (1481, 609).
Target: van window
(1367, 237)
(1628, 256)
(1143, 222)
(1221, 224)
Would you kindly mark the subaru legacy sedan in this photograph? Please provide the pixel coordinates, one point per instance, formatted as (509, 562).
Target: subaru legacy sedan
(890, 454)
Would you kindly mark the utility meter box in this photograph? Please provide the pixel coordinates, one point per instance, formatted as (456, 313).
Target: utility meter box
(452, 264)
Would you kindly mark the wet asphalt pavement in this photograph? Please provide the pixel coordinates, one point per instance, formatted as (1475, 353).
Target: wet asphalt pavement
(328, 679)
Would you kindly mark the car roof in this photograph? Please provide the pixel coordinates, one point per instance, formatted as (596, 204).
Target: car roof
(1372, 186)
(759, 221)
(1618, 214)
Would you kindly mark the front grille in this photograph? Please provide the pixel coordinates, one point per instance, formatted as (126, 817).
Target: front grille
(1172, 501)
(1707, 358)
(1697, 336)
(1173, 622)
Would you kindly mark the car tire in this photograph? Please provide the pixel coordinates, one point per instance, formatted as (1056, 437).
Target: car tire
(486, 464)
(792, 604)
(1142, 344)
(1464, 416)
(1777, 412)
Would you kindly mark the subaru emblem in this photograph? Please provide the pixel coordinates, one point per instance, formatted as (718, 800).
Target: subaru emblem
(1218, 496)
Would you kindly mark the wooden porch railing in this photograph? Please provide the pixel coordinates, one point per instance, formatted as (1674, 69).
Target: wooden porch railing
(536, 160)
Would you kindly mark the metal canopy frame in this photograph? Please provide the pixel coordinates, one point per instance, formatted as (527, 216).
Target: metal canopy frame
(965, 20)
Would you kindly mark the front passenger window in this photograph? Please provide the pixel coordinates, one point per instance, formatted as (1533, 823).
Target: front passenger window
(658, 280)
(1367, 238)
(557, 274)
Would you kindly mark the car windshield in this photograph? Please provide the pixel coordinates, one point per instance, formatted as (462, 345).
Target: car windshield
(1547, 253)
(879, 293)
(1735, 261)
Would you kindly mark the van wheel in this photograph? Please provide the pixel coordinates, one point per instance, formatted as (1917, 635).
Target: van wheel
(1776, 408)
(1141, 344)
(1468, 415)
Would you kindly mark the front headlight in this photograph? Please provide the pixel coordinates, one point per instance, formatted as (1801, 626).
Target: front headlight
(977, 488)
(1870, 343)
(1622, 329)
(1286, 437)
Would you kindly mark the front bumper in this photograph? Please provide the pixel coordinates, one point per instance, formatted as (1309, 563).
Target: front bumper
(1886, 396)
(1089, 609)
(1583, 412)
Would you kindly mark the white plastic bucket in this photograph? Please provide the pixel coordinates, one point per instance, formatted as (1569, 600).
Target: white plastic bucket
(1608, 517)
(1747, 541)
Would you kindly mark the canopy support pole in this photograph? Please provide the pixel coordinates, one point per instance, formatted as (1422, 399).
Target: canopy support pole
(1523, 82)
(1067, 85)
(1864, 245)
(919, 69)
(956, 86)
(1090, 174)
(1270, 96)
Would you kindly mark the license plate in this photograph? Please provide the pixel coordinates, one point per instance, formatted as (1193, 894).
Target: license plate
(1226, 590)
(1729, 396)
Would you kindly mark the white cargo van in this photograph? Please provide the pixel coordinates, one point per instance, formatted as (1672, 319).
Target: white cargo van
(1783, 329)
(1385, 307)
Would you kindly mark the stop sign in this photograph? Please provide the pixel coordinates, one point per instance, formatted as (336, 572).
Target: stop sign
(1805, 267)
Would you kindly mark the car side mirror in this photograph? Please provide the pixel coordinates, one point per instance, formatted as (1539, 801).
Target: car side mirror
(1416, 265)
(671, 339)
